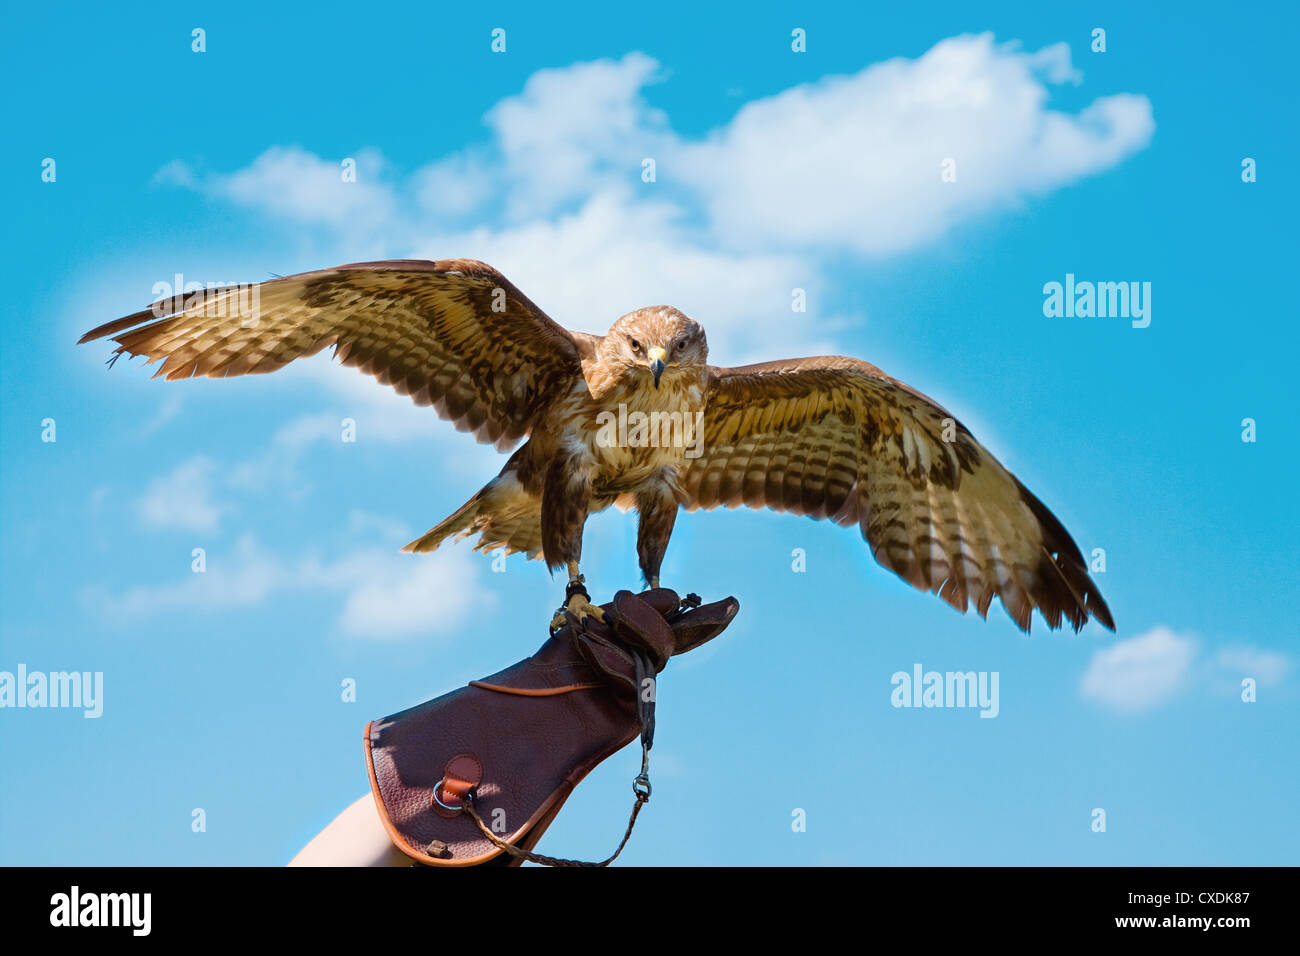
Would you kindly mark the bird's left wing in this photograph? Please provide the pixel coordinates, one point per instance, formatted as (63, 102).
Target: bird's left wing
(836, 438)
(454, 334)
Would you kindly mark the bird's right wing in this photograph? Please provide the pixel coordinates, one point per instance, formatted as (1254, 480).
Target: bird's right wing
(454, 334)
(837, 438)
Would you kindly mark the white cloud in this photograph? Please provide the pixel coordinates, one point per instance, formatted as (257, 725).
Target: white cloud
(299, 186)
(365, 523)
(378, 414)
(247, 577)
(1231, 664)
(855, 161)
(168, 408)
(275, 467)
(614, 255)
(183, 499)
(382, 594)
(739, 216)
(574, 130)
(454, 186)
(1140, 673)
(1146, 671)
(433, 592)
(176, 173)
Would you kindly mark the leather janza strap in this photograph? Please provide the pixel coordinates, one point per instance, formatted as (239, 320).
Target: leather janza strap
(476, 776)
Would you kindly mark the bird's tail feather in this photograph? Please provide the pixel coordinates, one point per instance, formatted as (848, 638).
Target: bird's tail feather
(459, 522)
(501, 513)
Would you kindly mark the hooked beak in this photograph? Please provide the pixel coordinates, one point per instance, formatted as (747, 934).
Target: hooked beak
(657, 357)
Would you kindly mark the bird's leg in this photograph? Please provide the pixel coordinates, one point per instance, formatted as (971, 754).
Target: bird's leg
(566, 499)
(656, 507)
(578, 601)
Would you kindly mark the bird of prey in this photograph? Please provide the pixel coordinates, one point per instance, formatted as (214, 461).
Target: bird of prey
(639, 419)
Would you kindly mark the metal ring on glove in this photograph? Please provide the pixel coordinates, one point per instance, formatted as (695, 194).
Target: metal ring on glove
(459, 809)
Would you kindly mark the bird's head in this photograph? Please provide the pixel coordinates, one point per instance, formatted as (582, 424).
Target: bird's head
(658, 342)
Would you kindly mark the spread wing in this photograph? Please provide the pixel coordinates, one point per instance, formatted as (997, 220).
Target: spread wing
(837, 438)
(454, 334)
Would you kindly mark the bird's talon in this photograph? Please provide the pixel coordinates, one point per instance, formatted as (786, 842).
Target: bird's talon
(582, 609)
(577, 610)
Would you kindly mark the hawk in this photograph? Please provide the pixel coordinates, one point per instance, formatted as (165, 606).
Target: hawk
(638, 418)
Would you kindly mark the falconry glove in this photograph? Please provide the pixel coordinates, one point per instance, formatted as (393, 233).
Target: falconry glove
(476, 776)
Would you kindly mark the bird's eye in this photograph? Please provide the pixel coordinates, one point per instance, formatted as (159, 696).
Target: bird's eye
(681, 344)
(636, 346)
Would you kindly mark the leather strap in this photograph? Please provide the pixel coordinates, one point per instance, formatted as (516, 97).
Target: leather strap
(552, 860)
(460, 777)
(641, 789)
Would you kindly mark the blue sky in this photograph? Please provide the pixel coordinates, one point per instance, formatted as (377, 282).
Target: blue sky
(774, 170)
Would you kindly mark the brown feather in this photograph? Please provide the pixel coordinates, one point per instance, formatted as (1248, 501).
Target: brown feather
(433, 330)
(943, 515)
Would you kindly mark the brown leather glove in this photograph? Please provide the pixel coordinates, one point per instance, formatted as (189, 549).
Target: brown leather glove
(476, 776)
